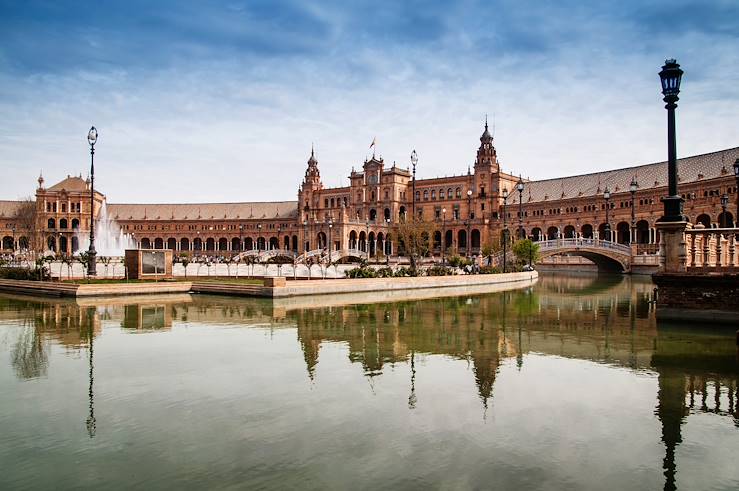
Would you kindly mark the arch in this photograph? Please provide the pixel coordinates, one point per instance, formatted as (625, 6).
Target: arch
(373, 214)
(51, 223)
(552, 233)
(63, 223)
(223, 244)
(274, 243)
(462, 239)
(726, 219)
(23, 242)
(475, 238)
(184, 244)
(51, 242)
(197, 244)
(602, 232)
(321, 238)
(295, 243)
(75, 244)
(622, 233)
(437, 240)
(642, 232)
(401, 213)
(448, 239)
(75, 223)
(261, 243)
(458, 192)
(586, 231)
(210, 244)
(705, 219)
(371, 243)
(286, 243)
(353, 239)
(158, 243)
(63, 244)
(248, 244)
(362, 246)
(602, 261)
(145, 243)
(569, 232)
(8, 243)
(386, 214)
(172, 243)
(235, 244)
(536, 234)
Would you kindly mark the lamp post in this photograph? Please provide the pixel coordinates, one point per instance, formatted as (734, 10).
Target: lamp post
(13, 228)
(670, 77)
(259, 234)
(469, 222)
(241, 237)
(330, 238)
(607, 196)
(724, 204)
(632, 189)
(414, 161)
(92, 138)
(505, 229)
(366, 241)
(736, 191)
(443, 236)
(519, 187)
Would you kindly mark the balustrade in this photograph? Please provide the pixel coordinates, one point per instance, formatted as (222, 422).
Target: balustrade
(712, 249)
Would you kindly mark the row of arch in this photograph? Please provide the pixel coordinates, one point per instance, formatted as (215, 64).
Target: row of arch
(221, 244)
(9, 245)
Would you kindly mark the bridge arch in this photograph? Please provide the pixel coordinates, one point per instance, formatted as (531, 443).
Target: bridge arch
(607, 256)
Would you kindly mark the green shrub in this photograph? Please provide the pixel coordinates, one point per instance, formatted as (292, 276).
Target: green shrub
(490, 270)
(361, 272)
(36, 274)
(439, 271)
(385, 273)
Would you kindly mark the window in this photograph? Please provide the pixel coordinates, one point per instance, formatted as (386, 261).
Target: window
(458, 192)
(418, 195)
(425, 194)
(325, 203)
(449, 194)
(433, 194)
(441, 194)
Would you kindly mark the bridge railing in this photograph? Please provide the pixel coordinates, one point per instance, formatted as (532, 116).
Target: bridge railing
(546, 245)
(712, 249)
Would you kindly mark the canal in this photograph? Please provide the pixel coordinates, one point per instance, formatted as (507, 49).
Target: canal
(569, 384)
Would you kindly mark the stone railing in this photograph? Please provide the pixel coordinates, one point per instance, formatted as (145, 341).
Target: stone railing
(547, 245)
(712, 249)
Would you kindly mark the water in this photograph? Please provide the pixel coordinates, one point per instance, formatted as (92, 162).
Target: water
(570, 384)
(110, 240)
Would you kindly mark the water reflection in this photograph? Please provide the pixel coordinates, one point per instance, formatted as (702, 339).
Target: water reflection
(608, 321)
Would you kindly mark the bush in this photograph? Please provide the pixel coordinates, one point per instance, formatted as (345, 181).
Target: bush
(400, 272)
(385, 273)
(456, 261)
(439, 271)
(361, 272)
(37, 274)
(490, 270)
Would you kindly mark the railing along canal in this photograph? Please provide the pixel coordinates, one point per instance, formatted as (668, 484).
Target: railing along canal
(583, 242)
(712, 250)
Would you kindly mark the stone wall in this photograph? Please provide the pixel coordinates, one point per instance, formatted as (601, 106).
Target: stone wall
(690, 297)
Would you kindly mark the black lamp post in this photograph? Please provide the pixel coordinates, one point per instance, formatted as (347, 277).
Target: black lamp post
(519, 187)
(366, 241)
(505, 228)
(241, 237)
(607, 196)
(92, 138)
(305, 236)
(632, 189)
(468, 245)
(724, 204)
(736, 191)
(330, 239)
(414, 161)
(443, 236)
(673, 203)
(259, 234)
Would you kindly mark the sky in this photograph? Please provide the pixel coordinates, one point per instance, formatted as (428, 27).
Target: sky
(221, 101)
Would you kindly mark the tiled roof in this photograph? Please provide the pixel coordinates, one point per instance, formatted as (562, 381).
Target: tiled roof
(71, 183)
(690, 169)
(204, 211)
(9, 208)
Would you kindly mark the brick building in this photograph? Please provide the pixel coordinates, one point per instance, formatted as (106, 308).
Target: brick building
(468, 210)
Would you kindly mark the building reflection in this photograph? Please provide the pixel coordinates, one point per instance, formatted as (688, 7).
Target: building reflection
(609, 321)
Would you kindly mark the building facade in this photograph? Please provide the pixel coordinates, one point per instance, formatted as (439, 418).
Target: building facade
(466, 211)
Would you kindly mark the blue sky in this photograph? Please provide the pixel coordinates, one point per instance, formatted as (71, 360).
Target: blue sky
(221, 101)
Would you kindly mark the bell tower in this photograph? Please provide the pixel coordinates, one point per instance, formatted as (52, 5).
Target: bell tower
(487, 158)
(308, 192)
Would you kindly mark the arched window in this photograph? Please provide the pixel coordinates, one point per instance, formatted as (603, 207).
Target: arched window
(63, 223)
(458, 192)
(51, 223)
(449, 194)
(418, 195)
(75, 223)
(433, 195)
(441, 194)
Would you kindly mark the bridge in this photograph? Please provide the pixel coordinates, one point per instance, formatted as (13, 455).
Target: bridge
(607, 255)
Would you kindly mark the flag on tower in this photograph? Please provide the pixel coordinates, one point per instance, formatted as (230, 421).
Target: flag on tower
(374, 142)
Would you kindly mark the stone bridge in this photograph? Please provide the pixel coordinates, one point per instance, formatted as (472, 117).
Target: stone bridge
(607, 255)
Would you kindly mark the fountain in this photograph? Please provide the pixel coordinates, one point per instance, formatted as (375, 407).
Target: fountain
(110, 240)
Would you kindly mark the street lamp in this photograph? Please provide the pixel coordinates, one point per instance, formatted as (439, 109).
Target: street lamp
(443, 236)
(519, 187)
(414, 161)
(724, 204)
(469, 222)
(305, 236)
(92, 138)
(259, 233)
(366, 242)
(607, 196)
(330, 239)
(670, 77)
(241, 237)
(632, 189)
(505, 227)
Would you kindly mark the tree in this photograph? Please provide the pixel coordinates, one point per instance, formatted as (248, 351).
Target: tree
(526, 251)
(416, 236)
(24, 219)
(83, 258)
(489, 250)
(185, 260)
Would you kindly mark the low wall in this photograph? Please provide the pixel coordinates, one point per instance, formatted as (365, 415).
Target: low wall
(692, 297)
(54, 289)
